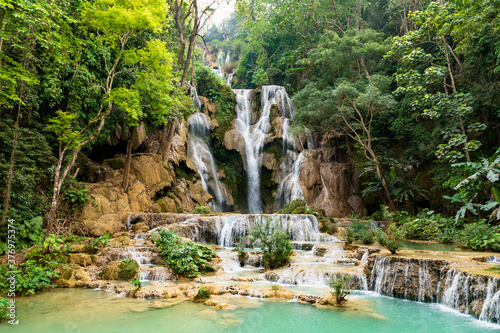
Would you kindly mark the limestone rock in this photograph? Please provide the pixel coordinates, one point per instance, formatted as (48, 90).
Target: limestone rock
(110, 271)
(138, 136)
(269, 162)
(81, 259)
(74, 278)
(233, 140)
(110, 223)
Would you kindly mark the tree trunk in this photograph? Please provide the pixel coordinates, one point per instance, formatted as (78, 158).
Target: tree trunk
(189, 54)
(387, 193)
(166, 139)
(6, 200)
(128, 158)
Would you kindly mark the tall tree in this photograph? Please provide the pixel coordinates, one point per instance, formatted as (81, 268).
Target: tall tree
(113, 23)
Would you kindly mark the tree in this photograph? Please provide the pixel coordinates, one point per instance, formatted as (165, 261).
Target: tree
(428, 60)
(274, 242)
(349, 111)
(112, 25)
(153, 97)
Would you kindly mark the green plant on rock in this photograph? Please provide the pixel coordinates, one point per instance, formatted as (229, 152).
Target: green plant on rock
(348, 235)
(53, 250)
(390, 239)
(98, 243)
(187, 259)
(201, 210)
(340, 288)
(129, 269)
(202, 295)
(274, 242)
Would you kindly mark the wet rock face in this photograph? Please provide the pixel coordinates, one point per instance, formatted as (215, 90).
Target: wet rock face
(435, 280)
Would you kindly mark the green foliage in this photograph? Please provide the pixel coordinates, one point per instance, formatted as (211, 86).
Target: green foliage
(40, 269)
(340, 288)
(390, 239)
(136, 283)
(76, 195)
(348, 235)
(209, 86)
(202, 295)
(201, 210)
(4, 312)
(481, 236)
(186, 259)
(98, 243)
(274, 242)
(129, 269)
(360, 231)
(294, 207)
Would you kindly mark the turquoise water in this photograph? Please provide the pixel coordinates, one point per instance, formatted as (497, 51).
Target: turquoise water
(428, 246)
(80, 310)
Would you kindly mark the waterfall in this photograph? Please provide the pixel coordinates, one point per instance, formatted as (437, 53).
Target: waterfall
(230, 78)
(204, 57)
(301, 277)
(289, 188)
(220, 59)
(220, 74)
(432, 280)
(200, 155)
(253, 136)
(228, 58)
(300, 228)
(196, 98)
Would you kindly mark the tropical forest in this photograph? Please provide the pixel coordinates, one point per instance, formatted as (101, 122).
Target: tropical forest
(249, 166)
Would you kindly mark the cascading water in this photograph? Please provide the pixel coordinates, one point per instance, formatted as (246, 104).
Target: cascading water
(300, 228)
(230, 78)
(196, 98)
(228, 58)
(200, 155)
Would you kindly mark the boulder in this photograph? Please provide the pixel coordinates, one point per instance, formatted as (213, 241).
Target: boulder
(74, 278)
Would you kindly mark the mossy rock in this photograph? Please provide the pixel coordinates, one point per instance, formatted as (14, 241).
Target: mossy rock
(110, 271)
(129, 269)
(115, 163)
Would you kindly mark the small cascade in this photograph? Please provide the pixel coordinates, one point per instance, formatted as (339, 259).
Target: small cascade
(196, 98)
(220, 59)
(301, 277)
(228, 58)
(202, 158)
(493, 259)
(230, 78)
(301, 228)
(289, 188)
(332, 255)
(204, 57)
(491, 306)
(432, 280)
(230, 261)
(144, 261)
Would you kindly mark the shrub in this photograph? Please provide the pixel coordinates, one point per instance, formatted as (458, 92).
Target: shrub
(274, 242)
(293, 206)
(421, 229)
(98, 243)
(186, 259)
(348, 235)
(391, 239)
(340, 288)
(128, 269)
(30, 278)
(201, 210)
(4, 312)
(202, 295)
(361, 231)
(481, 236)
